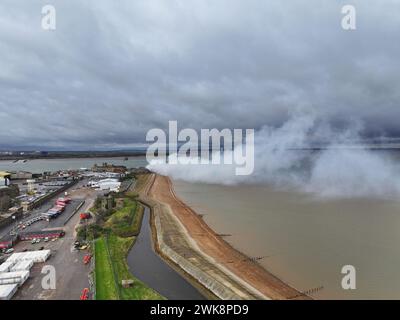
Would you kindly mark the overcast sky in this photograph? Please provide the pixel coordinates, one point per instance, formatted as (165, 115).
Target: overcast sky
(114, 69)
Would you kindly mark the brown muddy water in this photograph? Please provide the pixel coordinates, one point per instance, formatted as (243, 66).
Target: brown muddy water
(41, 165)
(306, 240)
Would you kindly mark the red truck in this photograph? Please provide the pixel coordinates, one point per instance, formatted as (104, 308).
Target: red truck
(84, 215)
(66, 200)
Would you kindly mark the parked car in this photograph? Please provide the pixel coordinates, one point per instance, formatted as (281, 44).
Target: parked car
(11, 250)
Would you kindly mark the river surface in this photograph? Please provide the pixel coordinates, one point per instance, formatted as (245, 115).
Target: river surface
(308, 241)
(41, 165)
(148, 267)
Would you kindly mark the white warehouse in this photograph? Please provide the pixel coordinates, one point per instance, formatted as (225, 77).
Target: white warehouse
(106, 184)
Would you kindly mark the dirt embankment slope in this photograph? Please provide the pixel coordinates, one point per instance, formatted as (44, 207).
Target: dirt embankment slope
(184, 237)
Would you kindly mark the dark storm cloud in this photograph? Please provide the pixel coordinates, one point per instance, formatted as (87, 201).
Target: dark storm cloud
(114, 69)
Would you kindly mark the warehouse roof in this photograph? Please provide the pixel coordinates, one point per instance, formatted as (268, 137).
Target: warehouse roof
(4, 174)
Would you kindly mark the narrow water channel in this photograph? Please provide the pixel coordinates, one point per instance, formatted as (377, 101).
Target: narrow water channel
(148, 267)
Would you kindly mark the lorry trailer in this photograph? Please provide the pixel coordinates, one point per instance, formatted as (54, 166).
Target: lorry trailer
(7, 291)
(16, 277)
(34, 256)
(50, 234)
(6, 266)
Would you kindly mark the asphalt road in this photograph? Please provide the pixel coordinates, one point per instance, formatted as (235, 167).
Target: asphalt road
(43, 208)
(57, 222)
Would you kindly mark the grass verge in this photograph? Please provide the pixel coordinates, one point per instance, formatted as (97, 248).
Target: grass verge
(105, 282)
(111, 250)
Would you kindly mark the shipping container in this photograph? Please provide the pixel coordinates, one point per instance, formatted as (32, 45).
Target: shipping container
(51, 234)
(6, 266)
(35, 256)
(24, 265)
(7, 291)
(16, 277)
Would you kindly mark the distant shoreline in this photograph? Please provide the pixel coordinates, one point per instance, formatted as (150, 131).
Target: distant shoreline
(29, 155)
(67, 155)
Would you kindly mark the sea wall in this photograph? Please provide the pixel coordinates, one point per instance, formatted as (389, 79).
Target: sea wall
(173, 243)
(218, 289)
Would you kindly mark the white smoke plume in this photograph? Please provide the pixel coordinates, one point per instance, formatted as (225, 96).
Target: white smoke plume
(283, 159)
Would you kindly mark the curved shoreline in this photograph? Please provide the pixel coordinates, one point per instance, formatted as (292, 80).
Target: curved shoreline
(184, 238)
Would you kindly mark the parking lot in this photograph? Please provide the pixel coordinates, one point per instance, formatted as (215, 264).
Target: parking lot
(40, 224)
(72, 275)
(71, 272)
(45, 207)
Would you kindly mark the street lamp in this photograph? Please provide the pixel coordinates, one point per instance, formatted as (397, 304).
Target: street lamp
(15, 219)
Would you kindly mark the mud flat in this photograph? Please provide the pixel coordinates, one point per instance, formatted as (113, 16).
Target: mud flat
(186, 241)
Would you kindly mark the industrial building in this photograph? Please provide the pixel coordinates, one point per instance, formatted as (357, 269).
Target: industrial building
(21, 175)
(8, 241)
(107, 167)
(8, 191)
(106, 184)
(5, 178)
